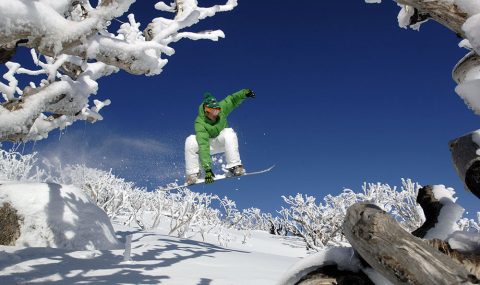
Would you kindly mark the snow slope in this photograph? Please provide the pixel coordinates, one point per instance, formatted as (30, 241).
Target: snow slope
(156, 259)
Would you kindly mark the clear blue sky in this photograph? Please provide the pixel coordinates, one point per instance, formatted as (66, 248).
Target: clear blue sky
(343, 96)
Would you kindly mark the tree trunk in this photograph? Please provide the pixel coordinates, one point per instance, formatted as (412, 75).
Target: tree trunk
(396, 254)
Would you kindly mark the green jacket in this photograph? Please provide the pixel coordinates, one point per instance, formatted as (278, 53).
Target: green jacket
(206, 129)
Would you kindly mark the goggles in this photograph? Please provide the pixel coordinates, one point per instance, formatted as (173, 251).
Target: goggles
(213, 111)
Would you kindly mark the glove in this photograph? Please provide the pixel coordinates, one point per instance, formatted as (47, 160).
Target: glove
(250, 94)
(209, 176)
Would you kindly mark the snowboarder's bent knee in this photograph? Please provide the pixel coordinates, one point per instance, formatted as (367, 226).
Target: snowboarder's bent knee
(212, 136)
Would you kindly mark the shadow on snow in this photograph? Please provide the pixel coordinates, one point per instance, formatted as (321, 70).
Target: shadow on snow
(60, 266)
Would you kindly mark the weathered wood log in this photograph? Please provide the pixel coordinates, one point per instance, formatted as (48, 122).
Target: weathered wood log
(446, 13)
(471, 261)
(464, 74)
(396, 254)
(468, 63)
(467, 162)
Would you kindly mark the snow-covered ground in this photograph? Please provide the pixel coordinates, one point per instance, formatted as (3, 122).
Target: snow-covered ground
(66, 236)
(156, 259)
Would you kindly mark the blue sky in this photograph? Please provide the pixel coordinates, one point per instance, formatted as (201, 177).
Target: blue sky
(344, 96)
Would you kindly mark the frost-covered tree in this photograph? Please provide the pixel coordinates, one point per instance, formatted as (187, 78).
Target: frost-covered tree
(72, 46)
(320, 224)
(231, 216)
(470, 225)
(109, 192)
(400, 203)
(190, 213)
(15, 166)
(189, 210)
(463, 18)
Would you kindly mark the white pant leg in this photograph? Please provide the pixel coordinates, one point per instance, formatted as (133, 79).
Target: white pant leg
(217, 145)
(226, 142)
(228, 139)
(192, 159)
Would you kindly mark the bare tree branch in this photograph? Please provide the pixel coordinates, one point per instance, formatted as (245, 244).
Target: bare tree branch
(444, 12)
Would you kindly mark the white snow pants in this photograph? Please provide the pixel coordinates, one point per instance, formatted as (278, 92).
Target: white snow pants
(226, 142)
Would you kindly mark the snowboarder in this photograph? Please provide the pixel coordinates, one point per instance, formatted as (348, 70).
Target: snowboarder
(212, 136)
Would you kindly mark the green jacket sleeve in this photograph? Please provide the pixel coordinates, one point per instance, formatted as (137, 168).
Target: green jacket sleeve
(233, 101)
(203, 140)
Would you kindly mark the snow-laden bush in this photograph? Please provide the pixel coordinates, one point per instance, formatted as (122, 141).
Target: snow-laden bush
(470, 225)
(189, 210)
(16, 167)
(111, 193)
(320, 224)
(190, 213)
(401, 204)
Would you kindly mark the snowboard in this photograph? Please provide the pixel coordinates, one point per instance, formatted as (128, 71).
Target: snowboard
(227, 175)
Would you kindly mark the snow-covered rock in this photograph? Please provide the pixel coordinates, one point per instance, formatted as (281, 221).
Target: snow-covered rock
(61, 216)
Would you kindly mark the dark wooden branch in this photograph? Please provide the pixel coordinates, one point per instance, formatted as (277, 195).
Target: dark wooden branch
(6, 54)
(431, 208)
(8, 51)
(396, 254)
(467, 162)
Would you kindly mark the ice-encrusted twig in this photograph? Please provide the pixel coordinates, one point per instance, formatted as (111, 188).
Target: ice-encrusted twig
(66, 98)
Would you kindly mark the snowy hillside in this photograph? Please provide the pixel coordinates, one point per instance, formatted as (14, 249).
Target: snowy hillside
(156, 259)
(231, 256)
(183, 237)
(65, 238)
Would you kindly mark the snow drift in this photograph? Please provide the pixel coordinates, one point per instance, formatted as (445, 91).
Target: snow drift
(58, 216)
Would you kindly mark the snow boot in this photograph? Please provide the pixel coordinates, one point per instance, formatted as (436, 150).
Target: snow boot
(237, 170)
(192, 178)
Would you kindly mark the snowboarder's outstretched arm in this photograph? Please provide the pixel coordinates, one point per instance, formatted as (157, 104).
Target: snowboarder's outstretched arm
(233, 101)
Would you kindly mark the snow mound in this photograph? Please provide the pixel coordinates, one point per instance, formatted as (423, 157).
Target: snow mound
(343, 257)
(59, 216)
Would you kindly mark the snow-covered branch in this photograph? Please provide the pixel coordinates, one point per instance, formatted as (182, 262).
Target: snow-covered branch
(15, 166)
(77, 47)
